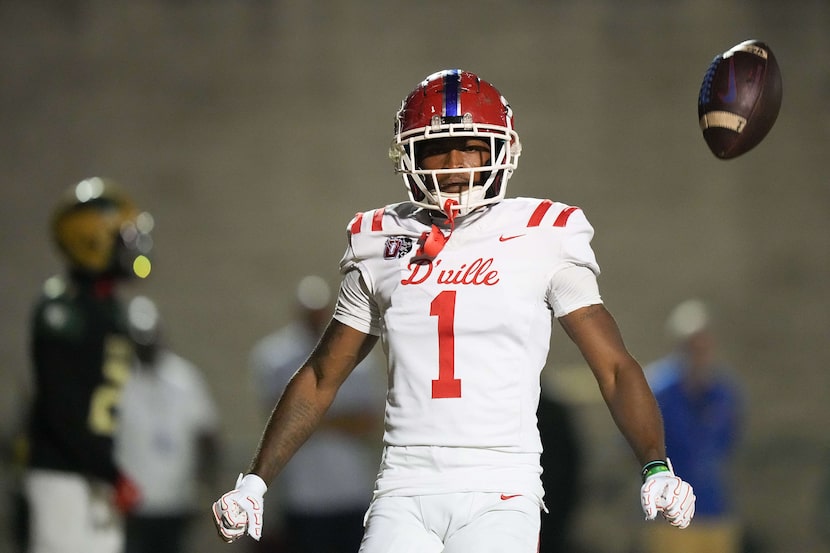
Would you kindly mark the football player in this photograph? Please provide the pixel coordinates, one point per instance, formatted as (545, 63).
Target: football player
(461, 284)
(81, 358)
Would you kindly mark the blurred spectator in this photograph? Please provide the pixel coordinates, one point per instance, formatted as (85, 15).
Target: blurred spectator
(561, 475)
(81, 357)
(167, 438)
(700, 399)
(325, 489)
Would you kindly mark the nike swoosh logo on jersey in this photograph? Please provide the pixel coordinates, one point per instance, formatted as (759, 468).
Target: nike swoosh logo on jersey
(506, 497)
(504, 238)
(732, 91)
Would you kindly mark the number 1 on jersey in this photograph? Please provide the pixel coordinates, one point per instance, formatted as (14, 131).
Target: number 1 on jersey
(443, 307)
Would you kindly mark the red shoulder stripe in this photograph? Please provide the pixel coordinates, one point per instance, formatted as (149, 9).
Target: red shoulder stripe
(539, 213)
(562, 219)
(358, 219)
(377, 220)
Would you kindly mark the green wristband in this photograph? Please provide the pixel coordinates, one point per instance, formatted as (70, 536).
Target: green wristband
(653, 467)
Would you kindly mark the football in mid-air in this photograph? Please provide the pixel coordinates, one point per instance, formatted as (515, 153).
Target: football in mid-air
(739, 99)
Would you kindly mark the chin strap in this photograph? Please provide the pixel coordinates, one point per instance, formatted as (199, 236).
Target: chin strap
(431, 243)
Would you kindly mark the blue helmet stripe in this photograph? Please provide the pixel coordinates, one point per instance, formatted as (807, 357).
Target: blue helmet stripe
(452, 96)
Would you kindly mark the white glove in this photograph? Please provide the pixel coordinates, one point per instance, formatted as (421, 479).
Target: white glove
(240, 509)
(665, 493)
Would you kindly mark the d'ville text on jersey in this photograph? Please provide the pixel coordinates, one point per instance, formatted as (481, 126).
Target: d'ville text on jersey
(478, 273)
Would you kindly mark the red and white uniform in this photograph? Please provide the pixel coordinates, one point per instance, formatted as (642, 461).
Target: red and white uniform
(466, 336)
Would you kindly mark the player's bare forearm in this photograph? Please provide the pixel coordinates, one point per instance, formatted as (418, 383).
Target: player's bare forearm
(636, 414)
(620, 379)
(292, 421)
(308, 396)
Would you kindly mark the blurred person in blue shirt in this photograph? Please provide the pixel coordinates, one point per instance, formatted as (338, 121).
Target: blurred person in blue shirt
(701, 403)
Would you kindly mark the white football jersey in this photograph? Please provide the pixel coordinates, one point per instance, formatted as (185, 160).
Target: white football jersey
(468, 334)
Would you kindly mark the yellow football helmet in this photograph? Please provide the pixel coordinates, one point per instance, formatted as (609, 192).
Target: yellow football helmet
(100, 231)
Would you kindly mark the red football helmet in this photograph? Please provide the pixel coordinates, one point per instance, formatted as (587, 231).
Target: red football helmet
(455, 103)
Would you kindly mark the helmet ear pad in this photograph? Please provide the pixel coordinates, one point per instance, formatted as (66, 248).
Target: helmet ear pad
(415, 190)
(495, 188)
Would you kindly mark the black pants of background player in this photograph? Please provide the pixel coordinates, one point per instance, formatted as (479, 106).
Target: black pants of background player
(333, 533)
(561, 473)
(19, 520)
(156, 534)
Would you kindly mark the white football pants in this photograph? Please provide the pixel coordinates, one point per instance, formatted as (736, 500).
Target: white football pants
(70, 514)
(452, 523)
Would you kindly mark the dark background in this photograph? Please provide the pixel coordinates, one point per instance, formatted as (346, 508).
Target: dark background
(254, 130)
